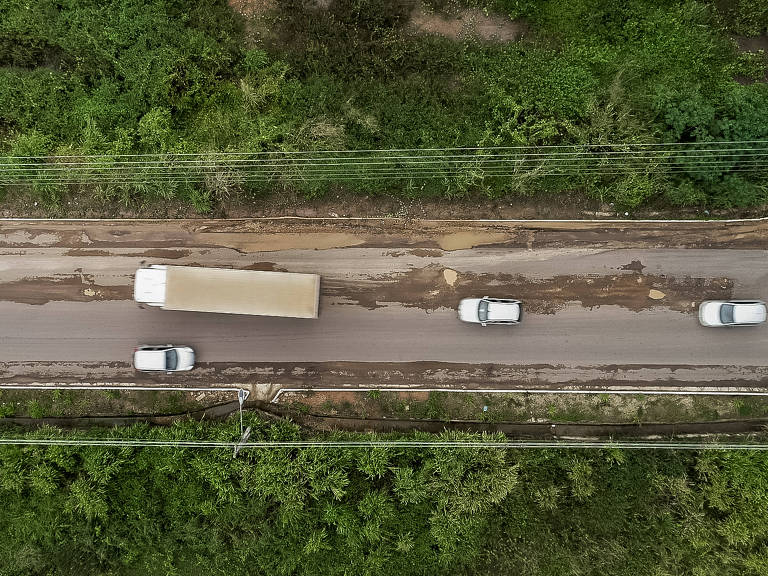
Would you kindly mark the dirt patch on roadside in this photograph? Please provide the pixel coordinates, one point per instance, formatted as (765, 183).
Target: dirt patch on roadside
(428, 289)
(27, 238)
(751, 43)
(251, 8)
(422, 238)
(69, 287)
(468, 23)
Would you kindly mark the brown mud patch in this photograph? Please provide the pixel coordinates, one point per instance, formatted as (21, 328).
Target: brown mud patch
(79, 252)
(428, 289)
(469, 239)
(155, 253)
(62, 287)
(263, 267)
(163, 253)
(635, 266)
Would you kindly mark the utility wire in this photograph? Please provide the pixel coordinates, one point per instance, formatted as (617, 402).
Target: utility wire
(624, 444)
(54, 161)
(91, 170)
(476, 163)
(681, 145)
(345, 177)
(107, 164)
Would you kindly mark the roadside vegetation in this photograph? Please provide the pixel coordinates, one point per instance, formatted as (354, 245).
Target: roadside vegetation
(150, 77)
(94, 403)
(521, 407)
(377, 511)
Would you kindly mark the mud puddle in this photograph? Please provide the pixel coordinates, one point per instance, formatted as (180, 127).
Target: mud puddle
(431, 287)
(68, 287)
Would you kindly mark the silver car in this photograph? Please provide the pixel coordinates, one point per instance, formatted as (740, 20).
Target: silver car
(166, 358)
(718, 313)
(490, 310)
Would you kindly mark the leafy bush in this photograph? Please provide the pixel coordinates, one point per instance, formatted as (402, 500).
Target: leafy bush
(151, 76)
(378, 511)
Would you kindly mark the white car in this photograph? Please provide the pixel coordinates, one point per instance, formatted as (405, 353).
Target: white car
(716, 313)
(490, 310)
(166, 358)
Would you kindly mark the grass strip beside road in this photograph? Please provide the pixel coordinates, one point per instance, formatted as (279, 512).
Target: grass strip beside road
(523, 407)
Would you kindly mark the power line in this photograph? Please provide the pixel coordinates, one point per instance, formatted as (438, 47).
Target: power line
(450, 149)
(300, 444)
(473, 164)
(345, 178)
(375, 167)
(387, 171)
(45, 161)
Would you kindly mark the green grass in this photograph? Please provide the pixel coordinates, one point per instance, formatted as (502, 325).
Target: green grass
(74, 403)
(601, 408)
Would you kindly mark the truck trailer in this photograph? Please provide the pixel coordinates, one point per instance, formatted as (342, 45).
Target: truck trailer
(227, 291)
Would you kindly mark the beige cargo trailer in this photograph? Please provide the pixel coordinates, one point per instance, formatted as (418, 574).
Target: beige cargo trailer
(228, 291)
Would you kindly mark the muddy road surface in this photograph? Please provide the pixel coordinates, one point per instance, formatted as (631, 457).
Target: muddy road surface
(600, 299)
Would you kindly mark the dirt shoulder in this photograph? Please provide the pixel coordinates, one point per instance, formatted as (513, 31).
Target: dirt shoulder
(169, 237)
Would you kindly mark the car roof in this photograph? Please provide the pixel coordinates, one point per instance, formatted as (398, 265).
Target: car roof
(501, 311)
(749, 312)
(149, 359)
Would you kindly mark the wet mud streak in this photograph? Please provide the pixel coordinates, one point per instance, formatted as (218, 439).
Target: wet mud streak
(80, 252)
(163, 253)
(427, 288)
(64, 287)
(635, 266)
(263, 267)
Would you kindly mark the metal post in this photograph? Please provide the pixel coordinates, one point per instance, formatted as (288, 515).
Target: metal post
(243, 440)
(242, 396)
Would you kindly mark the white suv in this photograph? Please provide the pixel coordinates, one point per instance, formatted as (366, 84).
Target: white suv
(490, 310)
(717, 313)
(166, 358)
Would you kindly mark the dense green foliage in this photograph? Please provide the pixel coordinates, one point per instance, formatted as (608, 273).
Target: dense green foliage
(140, 76)
(399, 511)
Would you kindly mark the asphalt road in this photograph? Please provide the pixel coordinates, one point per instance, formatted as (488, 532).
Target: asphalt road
(108, 331)
(66, 298)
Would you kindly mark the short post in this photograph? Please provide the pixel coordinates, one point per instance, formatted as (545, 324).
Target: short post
(243, 440)
(242, 396)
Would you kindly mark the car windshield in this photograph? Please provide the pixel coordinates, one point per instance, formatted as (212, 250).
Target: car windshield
(726, 313)
(171, 360)
(482, 311)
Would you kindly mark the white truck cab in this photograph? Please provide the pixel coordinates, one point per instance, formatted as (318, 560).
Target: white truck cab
(149, 287)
